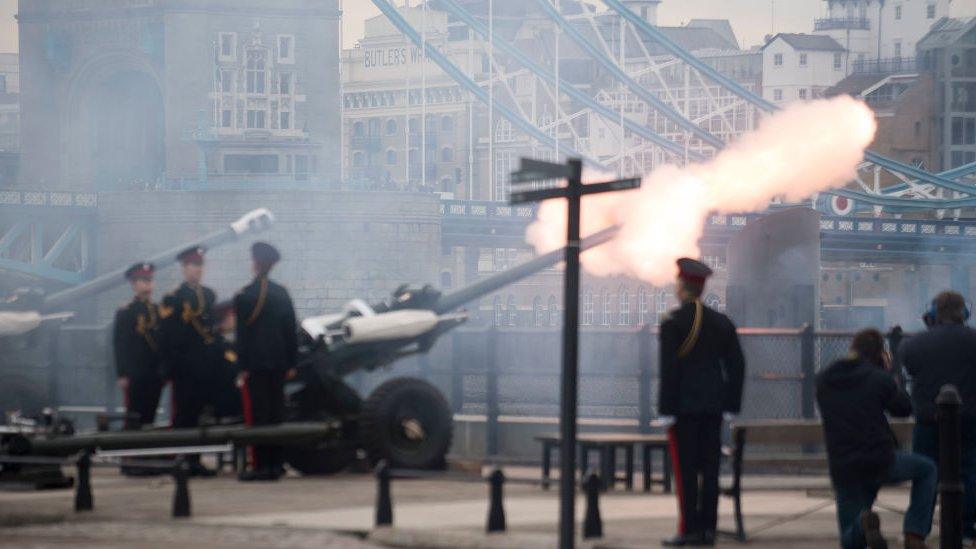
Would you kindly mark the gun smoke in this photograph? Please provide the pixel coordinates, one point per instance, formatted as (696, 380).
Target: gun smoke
(806, 148)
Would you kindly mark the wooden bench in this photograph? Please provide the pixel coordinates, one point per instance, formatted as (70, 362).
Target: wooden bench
(606, 445)
(805, 439)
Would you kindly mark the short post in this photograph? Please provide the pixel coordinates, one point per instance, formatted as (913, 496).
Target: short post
(83, 492)
(384, 504)
(644, 382)
(592, 523)
(496, 511)
(181, 493)
(808, 369)
(491, 393)
(950, 475)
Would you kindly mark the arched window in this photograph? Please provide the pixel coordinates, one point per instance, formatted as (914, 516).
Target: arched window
(553, 311)
(358, 129)
(643, 306)
(587, 308)
(662, 306)
(447, 154)
(512, 311)
(538, 313)
(391, 157)
(447, 123)
(358, 159)
(391, 127)
(414, 157)
(446, 184)
(498, 315)
(624, 311)
(503, 131)
(413, 125)
(607, 308)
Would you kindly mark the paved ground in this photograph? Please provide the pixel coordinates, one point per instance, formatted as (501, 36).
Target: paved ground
(338, 512)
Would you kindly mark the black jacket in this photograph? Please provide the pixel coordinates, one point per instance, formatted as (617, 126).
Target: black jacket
(189, 340)
(853, 397)
(946, 353)
(135, 340)
(708, 378)
(267, 335)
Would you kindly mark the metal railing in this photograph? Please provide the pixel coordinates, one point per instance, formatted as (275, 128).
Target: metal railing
(891, 65)
(841, 23)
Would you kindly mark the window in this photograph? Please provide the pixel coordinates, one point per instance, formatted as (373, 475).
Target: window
(226, 118)
(228, 46)
(358, 159)
(803, 59)
(391, 157)
(587, 309)
(930, 11)
(358, 128)
(918, 128)
(538, 314)
(803, 93)
(499, 316)
(413, 125)
(255, 71)
(504, 164)
(286, 49)
(777, 95)
(553, 311)
(512, 311)
(447, 154)
(255, 119)
(227, 81)
(391, 127)
(837, 60)
(897, 13)
(251, 163)
(898, 50)
(284, 83)
(643, 306)
(607, 309)
(284, 120)
(778, 60)
(963, 131)
(624, 318)
(503, 131)
(662, 305)
(447, 124)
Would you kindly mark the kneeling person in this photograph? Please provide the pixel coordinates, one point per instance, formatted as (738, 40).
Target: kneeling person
(853, 395)
(267, 349)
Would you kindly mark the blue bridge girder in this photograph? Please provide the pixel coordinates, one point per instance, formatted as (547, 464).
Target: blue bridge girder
(48, 235)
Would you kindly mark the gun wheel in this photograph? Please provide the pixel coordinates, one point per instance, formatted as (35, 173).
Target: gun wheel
(315, 460)
(407, 422)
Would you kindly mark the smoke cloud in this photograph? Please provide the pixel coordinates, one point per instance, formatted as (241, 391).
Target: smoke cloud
(806, 148)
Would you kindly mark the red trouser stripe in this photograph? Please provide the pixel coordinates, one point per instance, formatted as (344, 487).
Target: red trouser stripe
(248, 410)
(676, 469)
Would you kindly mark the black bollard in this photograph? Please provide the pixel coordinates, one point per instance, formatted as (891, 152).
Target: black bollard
(181, 494)
(83, 493)
(592, 523)
(384, 505)
(950, 475)
(496, 511)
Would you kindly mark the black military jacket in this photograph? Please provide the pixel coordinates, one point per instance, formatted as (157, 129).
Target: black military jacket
(135, 340)
(267, 336)
(188, 334)
(704, 374)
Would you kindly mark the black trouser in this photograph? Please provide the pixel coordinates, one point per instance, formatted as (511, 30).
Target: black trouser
(190, 394)
(141, 400)
(696, 449)
(264, 404)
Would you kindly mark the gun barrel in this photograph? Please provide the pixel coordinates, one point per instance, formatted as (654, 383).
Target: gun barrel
(453, 300)
(256, 220)
(283, 434)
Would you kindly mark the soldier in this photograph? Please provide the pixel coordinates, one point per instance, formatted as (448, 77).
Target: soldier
(136, 343)
(267, 345)
(702, 369)
(190, 348)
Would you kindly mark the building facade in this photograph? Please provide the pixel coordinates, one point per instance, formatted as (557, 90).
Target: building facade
(127, 93)
(9, 118)
(800, 66)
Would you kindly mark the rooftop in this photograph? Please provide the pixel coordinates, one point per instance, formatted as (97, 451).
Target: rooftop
(814, 42)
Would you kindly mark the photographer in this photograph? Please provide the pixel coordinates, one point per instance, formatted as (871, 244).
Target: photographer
(853, 395)
(945, 354)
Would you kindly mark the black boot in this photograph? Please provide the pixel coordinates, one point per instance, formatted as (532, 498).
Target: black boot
(682, 540)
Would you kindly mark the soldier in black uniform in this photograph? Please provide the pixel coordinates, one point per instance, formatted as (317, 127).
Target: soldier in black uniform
(267, 347)
(189, 343)
(136, 343)
(702, 370)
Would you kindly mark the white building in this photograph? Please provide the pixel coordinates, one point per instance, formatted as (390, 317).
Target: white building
(883, 31)
(801, 66)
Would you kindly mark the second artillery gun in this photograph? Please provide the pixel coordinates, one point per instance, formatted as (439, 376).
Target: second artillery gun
(405, 421)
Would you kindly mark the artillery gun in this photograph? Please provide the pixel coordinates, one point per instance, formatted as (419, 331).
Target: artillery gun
(405, 421)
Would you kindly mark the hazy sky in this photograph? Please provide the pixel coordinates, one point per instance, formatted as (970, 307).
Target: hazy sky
(751, 19)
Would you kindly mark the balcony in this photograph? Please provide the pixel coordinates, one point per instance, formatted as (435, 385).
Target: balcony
(893, 65)
(841, 23)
